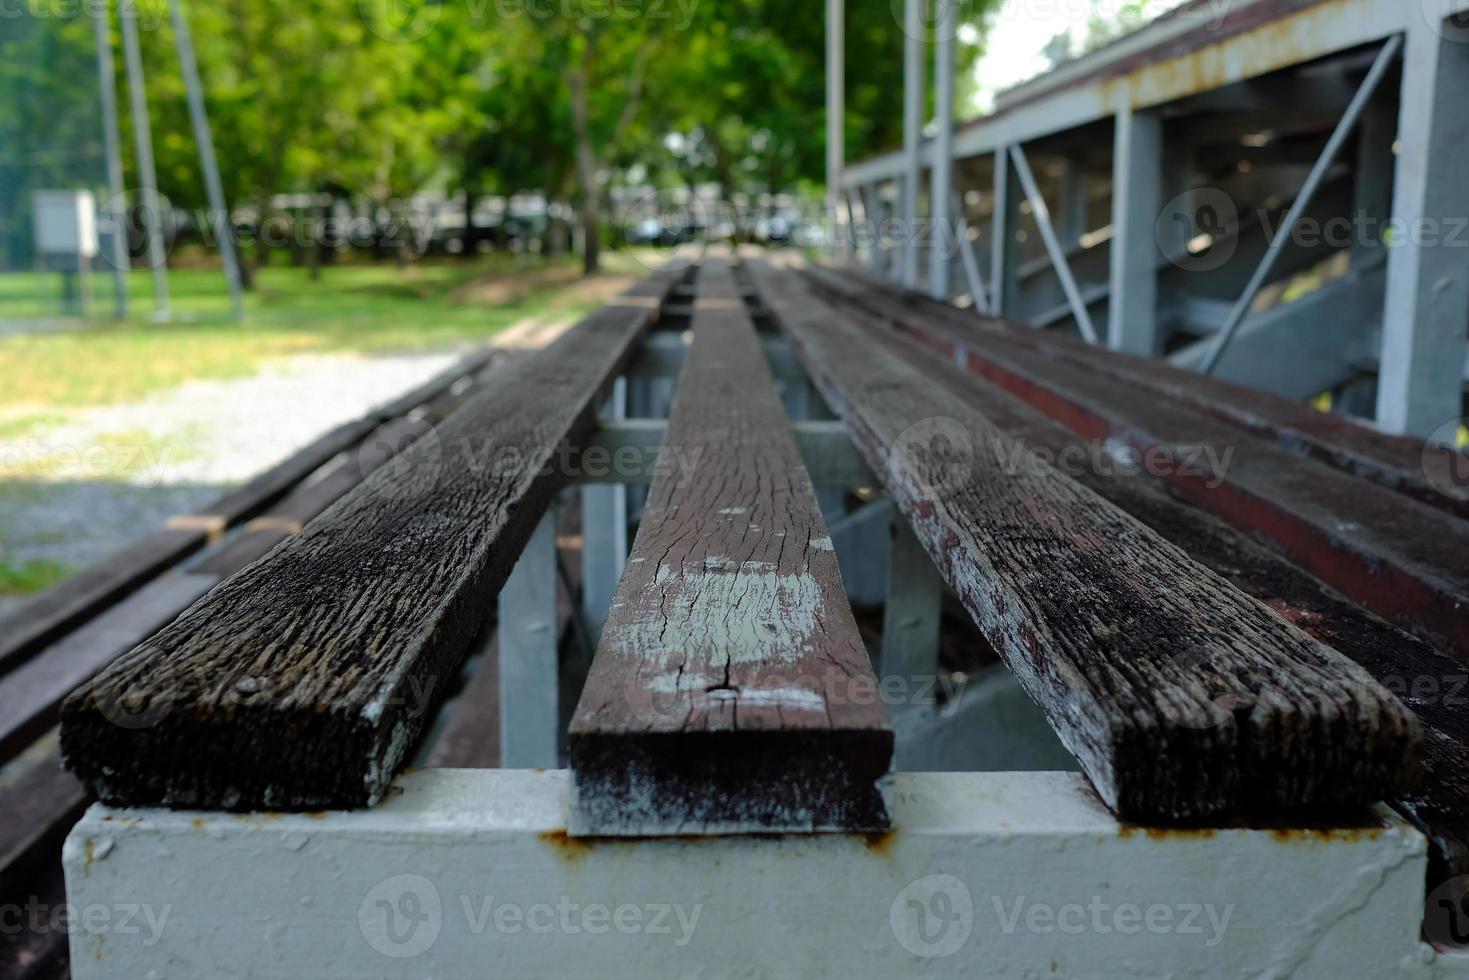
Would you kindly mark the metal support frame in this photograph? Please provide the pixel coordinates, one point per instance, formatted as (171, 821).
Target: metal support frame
(1004, 244)
(112, 149)
(911, 614)
(835, 114)
(1073, 219)
(1137, 175)
(530, 709)
(991, 874)
(941, 180)
(1334, 145)
(913, 90)
(204, 137)
(604, 532)
(147, 173)
(1053, 245)
(872, 207)
(978, 294)
(1420, 386)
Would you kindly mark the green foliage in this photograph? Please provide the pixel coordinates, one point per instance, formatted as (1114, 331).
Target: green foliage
(381, 98)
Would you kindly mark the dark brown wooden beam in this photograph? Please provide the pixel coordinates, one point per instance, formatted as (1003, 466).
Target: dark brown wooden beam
(1433, 685)
(731, 691)
(1396, 555)
(1181, 697)
(303, 681)
(1395, 462)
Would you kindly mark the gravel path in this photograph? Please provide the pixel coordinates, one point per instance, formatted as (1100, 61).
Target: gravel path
(77, 491)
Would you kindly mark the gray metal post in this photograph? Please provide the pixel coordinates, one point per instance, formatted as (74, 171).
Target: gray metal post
(913, 90)
(872, 207)
(1072, 223)
(978, 295)
(1004, 246)
(1048, 233)
(604, 533)
(1298, 207)
(942, 180)
(835, 112)
(1423, 347)
(530, 710)
(219, 209)
(147, 173)
(1372, 182)
(112, 148)
(1137, 173)
(910, 621)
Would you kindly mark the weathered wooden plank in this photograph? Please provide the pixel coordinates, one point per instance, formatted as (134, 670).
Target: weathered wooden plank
(1181, 697)
(36, 811)
(731, 690)
(1399, 557)
(48, 616)
(31, 695)
(302, 681)
(1399, 463)
(1433, 685)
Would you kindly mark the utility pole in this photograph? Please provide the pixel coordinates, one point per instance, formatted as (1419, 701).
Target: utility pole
(147, 174)
(218, 209)
(835, 113)
(112, 146)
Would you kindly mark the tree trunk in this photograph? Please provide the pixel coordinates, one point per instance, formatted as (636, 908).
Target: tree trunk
(586, 172)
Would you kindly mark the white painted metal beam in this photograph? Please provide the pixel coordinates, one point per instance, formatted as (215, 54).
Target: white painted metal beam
(1001, 875)
(941, 180)
(1427, 306)
(530, 709)
(835, 116)
(1093, 93)
(604, 531)
(913, 90)
(1136, 177)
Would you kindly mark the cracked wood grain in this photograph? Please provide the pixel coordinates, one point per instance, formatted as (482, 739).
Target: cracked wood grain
(302, 681)
(731, 690)
(1181, 697)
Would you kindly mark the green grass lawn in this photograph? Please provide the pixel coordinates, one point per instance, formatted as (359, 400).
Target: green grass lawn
(351, 308)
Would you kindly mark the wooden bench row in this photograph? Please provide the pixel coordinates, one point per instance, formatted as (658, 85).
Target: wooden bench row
(722, 693)
(1433, 682)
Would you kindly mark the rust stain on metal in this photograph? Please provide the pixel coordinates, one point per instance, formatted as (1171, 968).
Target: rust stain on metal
(1274, 44)
(1126, 831)
(567, 847)
(881, 844)
(1325, 835)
